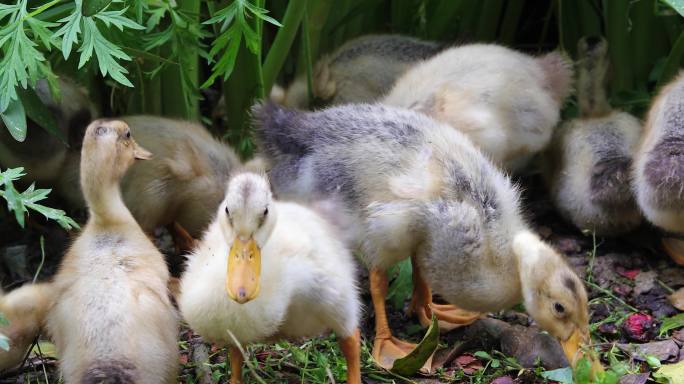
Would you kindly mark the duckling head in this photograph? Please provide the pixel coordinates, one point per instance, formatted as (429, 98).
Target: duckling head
(247, 219)
(553, 294)
(109, 149)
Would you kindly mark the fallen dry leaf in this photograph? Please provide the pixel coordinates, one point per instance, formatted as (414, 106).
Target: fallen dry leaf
(468, 363)
(639, 378)
(666, 350)
(502, 380)
(677, 299)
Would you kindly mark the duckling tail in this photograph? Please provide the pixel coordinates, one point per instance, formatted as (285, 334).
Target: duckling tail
(278, 130)
(610, 182)
(664, 171)
(110, 372)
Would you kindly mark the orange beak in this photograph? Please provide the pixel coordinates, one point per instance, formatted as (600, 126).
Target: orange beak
(244, 270)
(574, 352)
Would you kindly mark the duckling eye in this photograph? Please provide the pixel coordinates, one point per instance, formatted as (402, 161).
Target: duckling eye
(128, 134)
(559, 308)
(227, 212)
(266, 212)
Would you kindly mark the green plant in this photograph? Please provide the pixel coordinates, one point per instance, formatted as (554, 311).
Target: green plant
(20, 203)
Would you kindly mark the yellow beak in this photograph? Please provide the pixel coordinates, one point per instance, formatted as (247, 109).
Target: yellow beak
(573, 351)
(244, 269)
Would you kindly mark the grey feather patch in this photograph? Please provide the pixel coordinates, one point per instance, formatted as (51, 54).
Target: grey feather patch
(664, 172)
(110, 372)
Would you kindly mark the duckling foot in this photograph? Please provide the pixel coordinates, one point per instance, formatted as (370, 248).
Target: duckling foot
(351, 347)
(388, 349)
(236, 361)
(181, 238)
(675, 249)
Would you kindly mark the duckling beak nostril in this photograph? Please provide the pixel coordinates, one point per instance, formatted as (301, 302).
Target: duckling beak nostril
(244, 269)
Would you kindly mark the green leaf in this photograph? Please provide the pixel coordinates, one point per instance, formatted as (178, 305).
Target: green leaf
(4, 342)
(561, 375)
(414, 361)
(3, 320)
(653, 361)
(91, 7)
(671, 373)
(14, 118)
(671, 323)
(677, 5)
(583, 371)
(38, 112)
(402, 285)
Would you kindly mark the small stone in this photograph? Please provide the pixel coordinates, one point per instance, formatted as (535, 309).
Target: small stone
(644, 282)
(639, 378)
(503, 380)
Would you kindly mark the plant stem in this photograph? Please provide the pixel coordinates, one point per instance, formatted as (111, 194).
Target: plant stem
(283, 41)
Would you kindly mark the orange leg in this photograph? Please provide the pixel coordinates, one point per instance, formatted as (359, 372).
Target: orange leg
(675, 249)
(236, 361)
(351, 348)
(386, 347)
(449, 316)
(181, 238)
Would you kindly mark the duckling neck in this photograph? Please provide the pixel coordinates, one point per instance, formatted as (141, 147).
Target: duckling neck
(591, 91)
(105, 203)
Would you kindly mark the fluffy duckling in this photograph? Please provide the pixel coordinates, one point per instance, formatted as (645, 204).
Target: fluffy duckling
(266, 269)
(25, 310)
(42, 153)
(659, 166)
(415, 187)
(112, 319)
(361, 70)
(590, 157)
(184, 182)
(505, 101)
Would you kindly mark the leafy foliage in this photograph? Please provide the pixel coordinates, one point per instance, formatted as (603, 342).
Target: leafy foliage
(234, 27)
(20, 203)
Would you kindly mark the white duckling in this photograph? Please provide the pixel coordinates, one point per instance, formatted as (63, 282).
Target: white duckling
(659, 166)
(505, 101)
(414, 187)
(112, 319)
(267, 269)
(589, 161)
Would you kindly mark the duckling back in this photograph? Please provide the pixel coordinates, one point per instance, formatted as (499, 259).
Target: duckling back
(506, 102)
(588, 169)
(659, 164)
(361, 70)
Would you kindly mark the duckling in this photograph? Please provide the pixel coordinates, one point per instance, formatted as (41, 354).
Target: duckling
(589, 159)
(361, 70)
(25, 309)
(659, 166)
(42, 153)
(415, 187)
(184, 182)
(267, 269)
(505, 101)
(112, 319)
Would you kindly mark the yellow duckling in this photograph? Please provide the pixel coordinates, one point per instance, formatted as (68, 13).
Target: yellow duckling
(112, 318)
(505, 101)
(25, 309)
(659, 166)
(266, 269)
(414, 187)
(184, 182)
(589, 161)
